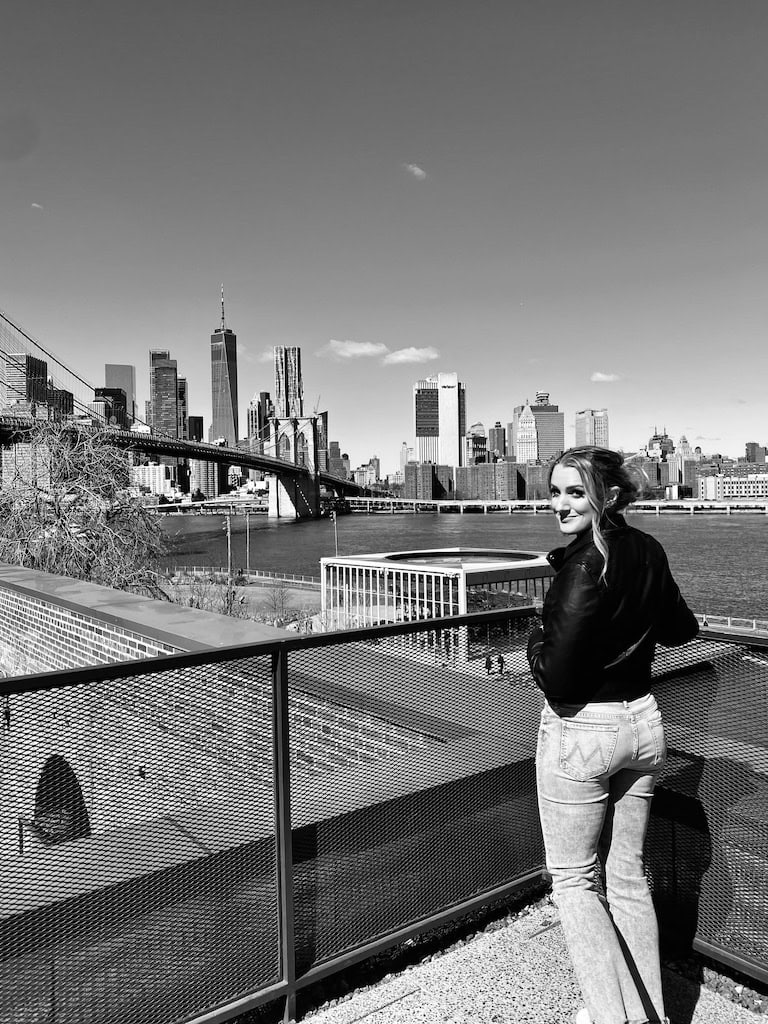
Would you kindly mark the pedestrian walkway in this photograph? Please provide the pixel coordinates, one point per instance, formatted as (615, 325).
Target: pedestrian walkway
(518, 973)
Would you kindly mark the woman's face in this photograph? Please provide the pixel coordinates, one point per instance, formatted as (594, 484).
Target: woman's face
(569, 501)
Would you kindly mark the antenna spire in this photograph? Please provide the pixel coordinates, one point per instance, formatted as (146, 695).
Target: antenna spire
(223, 324)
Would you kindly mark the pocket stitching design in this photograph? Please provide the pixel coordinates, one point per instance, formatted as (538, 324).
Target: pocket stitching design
(606, 755)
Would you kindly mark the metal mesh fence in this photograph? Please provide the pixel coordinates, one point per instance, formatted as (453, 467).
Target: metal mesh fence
(139, 879)
(708, 842)
(139, 875)
(423, 792)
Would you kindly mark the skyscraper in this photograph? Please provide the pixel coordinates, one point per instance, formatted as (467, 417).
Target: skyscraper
(182, 406)
(497, 441)
(224, 422)
(119, 375)
(548, 431)
(526, 442)
(440, 419)
(592, 427)
(26, 380)
(163, 393)
(260, 409)
(289, 389)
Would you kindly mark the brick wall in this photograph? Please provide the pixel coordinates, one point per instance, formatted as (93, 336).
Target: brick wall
(39, 636)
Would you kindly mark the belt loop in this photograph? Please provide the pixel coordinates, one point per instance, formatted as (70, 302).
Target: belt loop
(626, 704)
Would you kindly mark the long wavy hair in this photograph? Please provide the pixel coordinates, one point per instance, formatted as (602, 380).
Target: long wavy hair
(609, 484)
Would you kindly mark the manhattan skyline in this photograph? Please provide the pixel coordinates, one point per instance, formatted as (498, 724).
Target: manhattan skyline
(535, 196)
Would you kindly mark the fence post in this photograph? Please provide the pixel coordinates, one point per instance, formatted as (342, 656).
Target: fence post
(284, 834)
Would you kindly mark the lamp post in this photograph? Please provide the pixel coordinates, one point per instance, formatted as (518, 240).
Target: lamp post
(335, 531)
(248, 543)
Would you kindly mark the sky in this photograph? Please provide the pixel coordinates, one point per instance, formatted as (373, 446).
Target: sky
(567, 196)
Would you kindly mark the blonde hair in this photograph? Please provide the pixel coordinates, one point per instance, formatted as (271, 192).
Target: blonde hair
(609, 484)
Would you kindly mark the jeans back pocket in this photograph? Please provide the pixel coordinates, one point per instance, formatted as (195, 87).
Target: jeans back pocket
(586, 749)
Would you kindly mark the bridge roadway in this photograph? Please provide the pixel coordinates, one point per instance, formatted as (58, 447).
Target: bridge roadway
(13, 430)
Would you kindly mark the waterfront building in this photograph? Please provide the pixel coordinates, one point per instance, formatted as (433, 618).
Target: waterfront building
(418, 480)
(224, 412)
(123, 377)
(439, 419)
(368, 590)
(592, 427)
(204, 478)
(152, 477)
(497, 441)
(289, 388)
(163, 393)
(722, 486)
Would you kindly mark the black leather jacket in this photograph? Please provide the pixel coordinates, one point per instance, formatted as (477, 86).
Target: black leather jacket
(587, 623)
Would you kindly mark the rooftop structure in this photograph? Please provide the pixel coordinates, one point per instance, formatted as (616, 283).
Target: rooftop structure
(399, 586)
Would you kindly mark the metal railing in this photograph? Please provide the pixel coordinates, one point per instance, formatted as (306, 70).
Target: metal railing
(234, 825)
(220, 574)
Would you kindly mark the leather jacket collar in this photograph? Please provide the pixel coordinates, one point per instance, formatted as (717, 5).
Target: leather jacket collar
(560, 556)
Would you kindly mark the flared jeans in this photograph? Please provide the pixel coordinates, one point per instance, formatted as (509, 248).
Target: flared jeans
(596, 768)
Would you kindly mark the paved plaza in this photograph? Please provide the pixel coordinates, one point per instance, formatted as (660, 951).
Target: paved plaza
(518, 973)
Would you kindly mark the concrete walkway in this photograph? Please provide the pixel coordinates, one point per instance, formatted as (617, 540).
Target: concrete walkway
(518, 973)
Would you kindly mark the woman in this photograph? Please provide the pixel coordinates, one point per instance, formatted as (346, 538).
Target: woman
(601, 742)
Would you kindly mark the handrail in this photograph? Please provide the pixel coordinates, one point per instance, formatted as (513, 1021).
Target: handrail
(280, 654)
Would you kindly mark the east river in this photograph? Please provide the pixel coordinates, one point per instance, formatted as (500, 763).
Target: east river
(720, 562)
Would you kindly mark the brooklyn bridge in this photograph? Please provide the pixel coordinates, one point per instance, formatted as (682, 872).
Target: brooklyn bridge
(58, 393)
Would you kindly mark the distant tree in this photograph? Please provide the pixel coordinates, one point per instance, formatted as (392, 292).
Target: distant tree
(66, 508)
(277, 601)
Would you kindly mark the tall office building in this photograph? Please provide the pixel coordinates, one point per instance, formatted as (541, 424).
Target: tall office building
(224, 422)
(119, 375)
(26, 380)
(116, 402)
(195, 428)
(260, 410)
(548, 428)
(182, 406)
(497, 441)
(440, 419)
(289, 389)
(163, 406)
(526, 441)
(592, 427)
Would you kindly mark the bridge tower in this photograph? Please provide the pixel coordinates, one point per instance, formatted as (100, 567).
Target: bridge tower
(294, 440)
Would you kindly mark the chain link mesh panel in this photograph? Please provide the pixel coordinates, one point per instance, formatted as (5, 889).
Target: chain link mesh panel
(414, 784)
(137, 846)
(708, 842)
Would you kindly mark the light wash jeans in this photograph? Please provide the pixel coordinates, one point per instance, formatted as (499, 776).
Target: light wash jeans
(596, 768)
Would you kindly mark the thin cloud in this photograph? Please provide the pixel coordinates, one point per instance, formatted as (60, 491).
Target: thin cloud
(411, 355)
(267, 356)
(37, 206)
(604, 378)
(353, 349)
(416, 172)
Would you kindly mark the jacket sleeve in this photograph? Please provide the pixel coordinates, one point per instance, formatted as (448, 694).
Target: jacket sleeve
(676, 623)
(562, 653)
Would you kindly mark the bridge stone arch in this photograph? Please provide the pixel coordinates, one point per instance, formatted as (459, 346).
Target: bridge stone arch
(60, 812)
